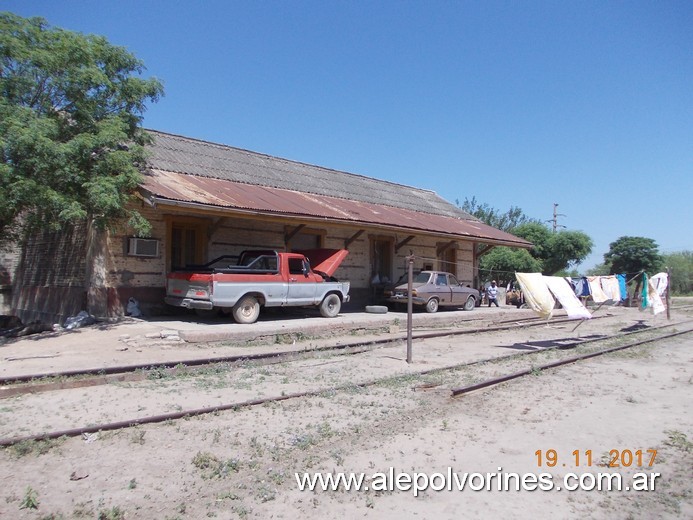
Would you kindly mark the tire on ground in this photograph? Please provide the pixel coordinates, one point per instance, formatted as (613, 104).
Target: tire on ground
(470, 304)
(376, 309)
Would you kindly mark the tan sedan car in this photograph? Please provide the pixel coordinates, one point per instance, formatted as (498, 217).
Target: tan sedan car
(432, 289)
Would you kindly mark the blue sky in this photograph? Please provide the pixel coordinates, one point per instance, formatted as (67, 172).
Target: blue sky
(518, 103)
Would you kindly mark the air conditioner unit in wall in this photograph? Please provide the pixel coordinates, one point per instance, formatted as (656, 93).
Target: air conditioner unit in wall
(148, 247)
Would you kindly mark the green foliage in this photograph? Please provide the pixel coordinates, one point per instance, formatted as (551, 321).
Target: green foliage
(681, 269)
(552, 252)
(70, 138)
(566, 249)
(632, 255)
(501, 262)
(504, 221)
(599, 270)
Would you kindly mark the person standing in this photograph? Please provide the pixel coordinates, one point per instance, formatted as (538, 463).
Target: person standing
(492, 294)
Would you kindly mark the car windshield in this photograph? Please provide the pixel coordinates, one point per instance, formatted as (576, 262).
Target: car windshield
(422, 278)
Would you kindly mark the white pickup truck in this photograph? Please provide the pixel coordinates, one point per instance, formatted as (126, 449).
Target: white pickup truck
(261, 278)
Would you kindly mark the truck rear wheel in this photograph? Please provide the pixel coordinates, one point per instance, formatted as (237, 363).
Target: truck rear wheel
(246, 310)
(330, 306)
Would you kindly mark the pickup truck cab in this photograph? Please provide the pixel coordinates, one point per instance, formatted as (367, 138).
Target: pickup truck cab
(261, 279)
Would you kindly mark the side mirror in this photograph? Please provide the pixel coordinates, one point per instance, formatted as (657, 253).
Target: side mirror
(305, 268)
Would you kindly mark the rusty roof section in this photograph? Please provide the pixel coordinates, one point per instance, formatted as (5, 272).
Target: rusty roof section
(173, 153)
(167, 187)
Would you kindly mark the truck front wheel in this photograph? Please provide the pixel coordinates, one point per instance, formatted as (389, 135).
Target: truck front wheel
(330, 306)
(246, 310)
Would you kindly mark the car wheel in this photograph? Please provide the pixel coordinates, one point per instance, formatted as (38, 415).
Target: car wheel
(432, 305)
(470, 304)
(246, 310)
(330, 306)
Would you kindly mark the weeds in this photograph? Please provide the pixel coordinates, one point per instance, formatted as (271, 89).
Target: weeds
(30, 500)
(115, 513)
(41, 447)
(678, 440)
(212, 467)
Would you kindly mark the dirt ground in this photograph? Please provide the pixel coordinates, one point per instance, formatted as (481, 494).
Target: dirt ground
(242, 463)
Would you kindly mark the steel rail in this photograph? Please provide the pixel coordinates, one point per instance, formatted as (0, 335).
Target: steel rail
(497, 380)
(313, 393)
(102, 375)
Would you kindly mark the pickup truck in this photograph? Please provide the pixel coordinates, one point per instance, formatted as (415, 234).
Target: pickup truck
(261, 278)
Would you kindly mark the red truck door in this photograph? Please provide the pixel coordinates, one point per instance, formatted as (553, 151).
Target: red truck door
(302, 282)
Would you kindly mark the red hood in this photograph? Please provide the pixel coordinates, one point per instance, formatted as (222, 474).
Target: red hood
(325, 260)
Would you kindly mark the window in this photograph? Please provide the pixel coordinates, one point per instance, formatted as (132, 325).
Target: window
(295, 266)
(441, 279)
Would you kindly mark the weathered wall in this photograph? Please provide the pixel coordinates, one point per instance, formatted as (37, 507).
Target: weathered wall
(49, 282)
(59, 274)
(9, 259)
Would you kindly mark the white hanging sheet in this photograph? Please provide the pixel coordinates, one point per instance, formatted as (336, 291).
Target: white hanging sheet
(536, 293)
(563, 292)
(598, 295)
(660, 281)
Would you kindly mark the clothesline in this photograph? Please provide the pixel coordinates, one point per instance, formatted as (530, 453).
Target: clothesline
(499, 271)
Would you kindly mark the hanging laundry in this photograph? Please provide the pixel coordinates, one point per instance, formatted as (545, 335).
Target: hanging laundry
(655, 300)
(596, 291)
(537, 294)
(610, 287)
(582, 287)
(565, 295)
(622, 286)
(644, 302)
(660, 281)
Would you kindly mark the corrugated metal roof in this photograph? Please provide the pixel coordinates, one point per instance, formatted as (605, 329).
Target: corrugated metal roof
(167, 186)
(179, 154)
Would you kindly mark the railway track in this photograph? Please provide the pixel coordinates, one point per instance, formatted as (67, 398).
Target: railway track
(80, 378)
(186, 413)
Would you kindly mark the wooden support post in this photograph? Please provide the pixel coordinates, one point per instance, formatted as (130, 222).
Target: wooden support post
(403, 243)
(289, 235)
(668, 293)
(348, 241)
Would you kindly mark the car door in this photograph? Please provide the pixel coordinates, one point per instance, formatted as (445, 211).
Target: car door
(442, 288)
(458, 293)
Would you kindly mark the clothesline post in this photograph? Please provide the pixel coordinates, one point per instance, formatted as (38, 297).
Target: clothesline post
(668, 294)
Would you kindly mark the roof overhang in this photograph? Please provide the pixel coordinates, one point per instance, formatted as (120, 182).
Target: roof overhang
(204, 194)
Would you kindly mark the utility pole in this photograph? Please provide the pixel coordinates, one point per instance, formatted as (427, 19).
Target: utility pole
(554, 220)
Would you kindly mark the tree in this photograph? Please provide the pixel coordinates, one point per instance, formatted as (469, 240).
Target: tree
(70, 138)
(504, 221)
(556, 251)
(633, 254)
(502, 262)
(680, 266)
